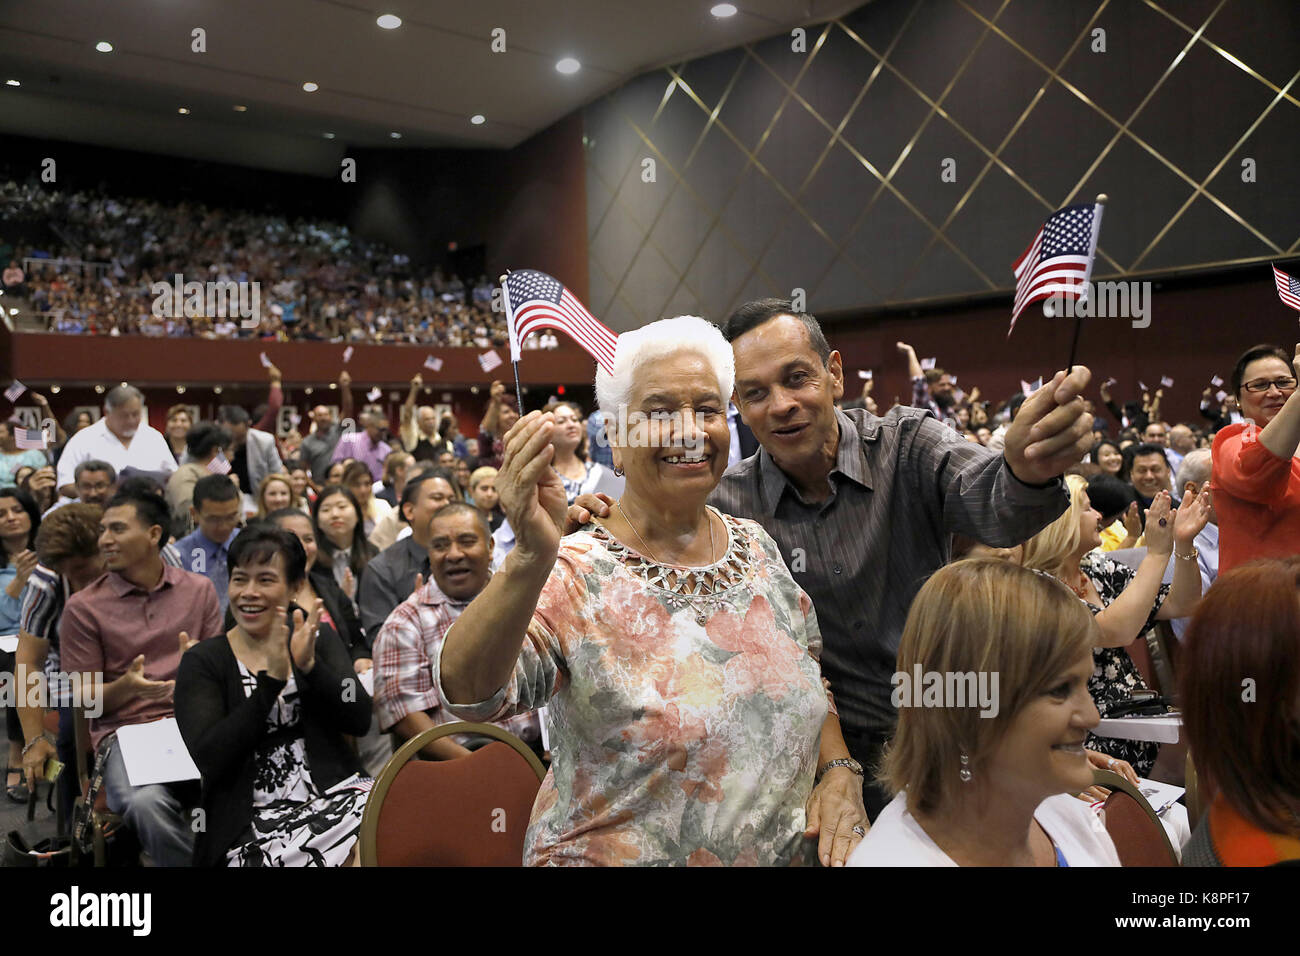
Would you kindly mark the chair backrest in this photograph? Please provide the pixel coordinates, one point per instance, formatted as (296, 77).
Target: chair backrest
(473, 811)
(1134, 828)
(1140, 653)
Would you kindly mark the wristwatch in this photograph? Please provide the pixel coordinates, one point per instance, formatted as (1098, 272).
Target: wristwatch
(841, 762)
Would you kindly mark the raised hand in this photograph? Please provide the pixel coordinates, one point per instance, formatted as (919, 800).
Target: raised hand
(1052, 430)
(531, 492)
(24, 564)
(1133, 521)
(1160, 537)
(1192, 516)
(305, 630)
(498, 389)
(185, 642)
(344, 379)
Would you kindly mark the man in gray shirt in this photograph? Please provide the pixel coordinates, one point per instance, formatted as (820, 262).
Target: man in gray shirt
(863, 507)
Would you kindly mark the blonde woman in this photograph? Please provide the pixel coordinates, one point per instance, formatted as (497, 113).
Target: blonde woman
(989, 779)
(275, 492)
(1124, 602)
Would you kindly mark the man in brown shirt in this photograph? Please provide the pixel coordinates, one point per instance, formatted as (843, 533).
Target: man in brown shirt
(130, 627)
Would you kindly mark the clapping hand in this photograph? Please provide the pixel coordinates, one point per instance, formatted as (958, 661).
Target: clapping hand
(1132, 521)
(1159, 529)
(1192, 516)
(349, 584)
(531, 492)
(144, 688)
(301, 644)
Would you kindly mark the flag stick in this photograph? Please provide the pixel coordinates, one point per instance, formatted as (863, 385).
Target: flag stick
(1087, 276)
(510, 325)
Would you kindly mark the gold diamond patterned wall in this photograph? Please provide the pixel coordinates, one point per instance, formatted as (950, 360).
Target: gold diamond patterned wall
(765, 169)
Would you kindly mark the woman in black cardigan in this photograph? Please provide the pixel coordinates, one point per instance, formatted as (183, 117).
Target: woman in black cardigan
(263, 714)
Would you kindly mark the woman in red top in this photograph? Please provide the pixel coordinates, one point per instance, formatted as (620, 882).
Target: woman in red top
(1256, 482)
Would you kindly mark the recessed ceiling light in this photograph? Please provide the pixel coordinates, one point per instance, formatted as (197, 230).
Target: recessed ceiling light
(478, 119)
(183, 111)
(240, 109)
(103, 46)
(99, 389)
(216, 390)
(13, 311)
(723, 10)
(568, 65)
(389, 22)
(180, 389)
(55, 389)
(329, 135)
(395, 135)
(310, 87)
(12, 83)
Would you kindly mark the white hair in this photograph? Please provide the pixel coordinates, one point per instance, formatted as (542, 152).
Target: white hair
(656, 341)
(1196, 467)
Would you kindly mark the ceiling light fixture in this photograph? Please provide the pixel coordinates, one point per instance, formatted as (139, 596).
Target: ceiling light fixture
(12, 83)
(395, 135)
(329, 135)
(183, 111)
(568, 65)
(722, 10)
(240, 109)
(103, 46)
(478, 119)
(310, 87)
(389, 22)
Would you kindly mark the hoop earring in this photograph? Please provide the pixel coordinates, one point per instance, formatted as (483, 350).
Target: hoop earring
(965, 772)
(618, 471)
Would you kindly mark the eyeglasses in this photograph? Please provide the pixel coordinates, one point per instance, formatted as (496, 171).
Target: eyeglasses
(1263, 385)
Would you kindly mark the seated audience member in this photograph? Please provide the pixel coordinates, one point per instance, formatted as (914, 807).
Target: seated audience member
(392, 526)
(462, 471)
(1149, 474)
(275, 492)
(1247, 628)
(334, 475)
(42, 486)
(342, 548)
(409, 640)
(1116, 502)
(1106, 453)
(216, 514)
(499, 418)
(578, 475)
(264, 709)
(254, 451)
(317, 448)
(390, 489)
(1195, 472)
(483, 495)
(19, 523)
(1125, 603)
(120, 438)
(68, 547)
(980, 788)
(390, 576)
(93, 481)
(130, 626)
(300, 480)
(205, 446)
(318, 584)
(356, 478)
(179, 423)
(1256, 472)
(12, 458)
(367, 445)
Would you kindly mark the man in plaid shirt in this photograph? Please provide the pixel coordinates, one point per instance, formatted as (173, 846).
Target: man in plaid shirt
(406, 700)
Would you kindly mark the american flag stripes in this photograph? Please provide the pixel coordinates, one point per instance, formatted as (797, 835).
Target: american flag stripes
(489, 360)
(218, 465)
(1059, 260)
(31, 438)
(1288, 289)
(535, 300)
(15, 390)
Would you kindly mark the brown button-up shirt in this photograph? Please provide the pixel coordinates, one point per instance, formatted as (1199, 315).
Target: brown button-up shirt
(106, 625)
(900, 486)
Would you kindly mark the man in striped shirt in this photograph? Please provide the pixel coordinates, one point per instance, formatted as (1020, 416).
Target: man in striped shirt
(406, 699)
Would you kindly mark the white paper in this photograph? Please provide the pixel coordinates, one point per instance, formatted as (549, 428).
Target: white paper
(546, 737)
(1159, 795)
(8, 643)
(864, 374)
(1162, 728)
(368, 681)
(155, 753)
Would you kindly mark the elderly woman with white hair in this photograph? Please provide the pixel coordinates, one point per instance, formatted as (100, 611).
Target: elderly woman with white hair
(676, 655)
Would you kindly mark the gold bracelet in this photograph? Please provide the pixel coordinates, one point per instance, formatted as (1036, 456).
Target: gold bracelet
(1187, 557)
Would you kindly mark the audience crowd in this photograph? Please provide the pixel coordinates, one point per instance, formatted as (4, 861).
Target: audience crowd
(812, 551)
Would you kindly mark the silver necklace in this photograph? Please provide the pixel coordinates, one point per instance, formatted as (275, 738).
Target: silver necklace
(701, 618)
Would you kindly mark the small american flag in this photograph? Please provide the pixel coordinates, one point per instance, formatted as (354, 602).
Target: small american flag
(373, 394)
(1216, 382)
(489, 360)
(15, 390)
(1059, 260)
(1288, 289)
(29, 438)
(347, 354)
(219, 465)
(1166, 381)
(433, 363)
(535, 300)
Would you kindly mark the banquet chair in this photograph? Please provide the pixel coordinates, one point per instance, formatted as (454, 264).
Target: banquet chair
(472, 811)
(1138, 834)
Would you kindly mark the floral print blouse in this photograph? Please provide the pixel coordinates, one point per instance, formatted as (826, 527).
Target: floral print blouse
(1114, 675)
(685, 713)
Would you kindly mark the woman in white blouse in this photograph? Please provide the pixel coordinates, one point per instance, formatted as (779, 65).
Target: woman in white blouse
(992, 691)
